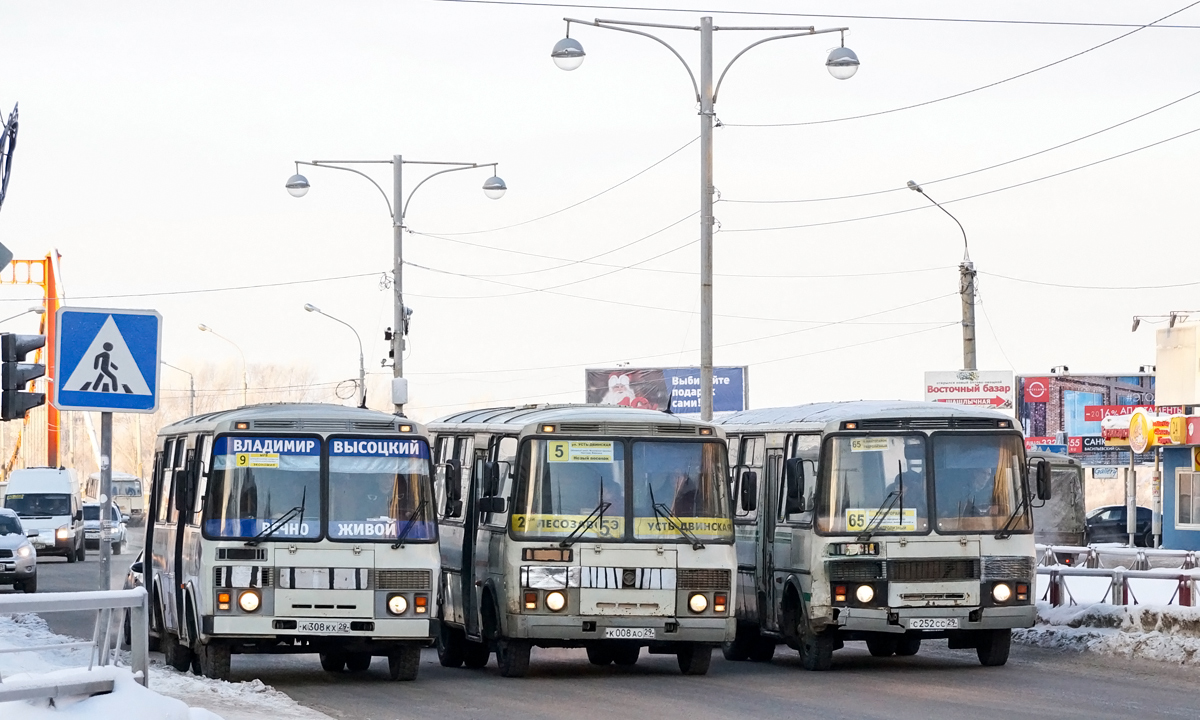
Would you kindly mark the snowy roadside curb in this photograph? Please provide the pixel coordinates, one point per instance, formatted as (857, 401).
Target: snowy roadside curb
(1150, 632)
(172, 693)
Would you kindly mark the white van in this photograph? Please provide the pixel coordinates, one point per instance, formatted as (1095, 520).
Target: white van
(48, 501)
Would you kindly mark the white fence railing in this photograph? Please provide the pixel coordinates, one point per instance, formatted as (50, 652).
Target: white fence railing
(1120, 566)
(103, 643)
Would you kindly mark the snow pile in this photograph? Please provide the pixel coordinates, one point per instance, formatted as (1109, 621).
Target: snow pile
(169, 696)
(1164, 633)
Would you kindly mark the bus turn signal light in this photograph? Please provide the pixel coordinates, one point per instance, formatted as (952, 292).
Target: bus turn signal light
(719, 603)
(421, 604)
(839, 593)
(531, 601)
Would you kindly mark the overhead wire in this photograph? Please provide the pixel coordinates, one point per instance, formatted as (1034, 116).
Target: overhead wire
(1101, 287)
(257, 286)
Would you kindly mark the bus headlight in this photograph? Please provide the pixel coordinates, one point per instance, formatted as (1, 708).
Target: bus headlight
(248, 601)
(556, 601)
(1002, 592)
(397, 604)
(865, 594)
(698, 602)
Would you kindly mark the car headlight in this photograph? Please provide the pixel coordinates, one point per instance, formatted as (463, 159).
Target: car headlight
(865, 593)
(63, 533)
(698, 602)
(24, 551)
(1002, 592)
(397, 604)
(556, 601)
(248, 601)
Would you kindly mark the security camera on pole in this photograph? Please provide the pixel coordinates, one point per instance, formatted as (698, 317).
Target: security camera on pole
(108, 362)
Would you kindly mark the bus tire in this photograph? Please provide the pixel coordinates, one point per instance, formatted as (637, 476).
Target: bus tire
(763, 649)
(357, 662)
(451, 646)
(908, 645)
(739, 648)
(993, 647)
(404, 662)
(175, 653)
(476, 655)
(816, 649)
(694, 659)
(599, 655)
(215, 660)
(882, 645)
(512, 656)
(627, 655)
(333, 662)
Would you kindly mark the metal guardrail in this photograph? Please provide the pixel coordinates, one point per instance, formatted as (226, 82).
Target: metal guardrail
(1084, 561)
(1094, 556)
(103, 643)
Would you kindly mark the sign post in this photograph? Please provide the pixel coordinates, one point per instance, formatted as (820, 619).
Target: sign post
(107, 362)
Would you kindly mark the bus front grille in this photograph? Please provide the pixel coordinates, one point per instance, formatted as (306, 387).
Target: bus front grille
(933, 569)
(1007, 568)
(697, 579)
(932, 424)
(618, 428)
(854, 570)
(401, 579)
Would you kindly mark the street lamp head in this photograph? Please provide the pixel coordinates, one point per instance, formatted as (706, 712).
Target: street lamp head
(1136, 321)
(311, 308)
(297, 185)
(37, 309)
(842, 63)
(567, 53)
(913, 186)
(494, 187)
(204, 328)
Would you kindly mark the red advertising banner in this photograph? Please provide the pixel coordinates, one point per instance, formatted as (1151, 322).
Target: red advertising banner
(1096, 413)
(1074, 445)
(1031, 441)
(1037, 390)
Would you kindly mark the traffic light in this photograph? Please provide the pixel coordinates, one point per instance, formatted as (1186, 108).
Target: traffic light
(16, 375)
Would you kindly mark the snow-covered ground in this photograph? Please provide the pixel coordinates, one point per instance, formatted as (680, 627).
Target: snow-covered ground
(1151, 632)
(171, 696)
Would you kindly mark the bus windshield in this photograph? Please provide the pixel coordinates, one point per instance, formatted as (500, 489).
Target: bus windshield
(680, 484)
(257, 480)
(875, 483)
(376, 486)
(978, 479)
(127, 488)
(565, 484)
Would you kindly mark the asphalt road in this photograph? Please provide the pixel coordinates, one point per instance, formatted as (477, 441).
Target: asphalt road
(938, 683)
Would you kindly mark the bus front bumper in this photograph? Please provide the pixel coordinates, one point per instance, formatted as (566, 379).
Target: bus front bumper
(249, 626)
(967, 618)
(580, 628)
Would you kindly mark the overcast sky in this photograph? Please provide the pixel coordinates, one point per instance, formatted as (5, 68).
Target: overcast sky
(155, 140)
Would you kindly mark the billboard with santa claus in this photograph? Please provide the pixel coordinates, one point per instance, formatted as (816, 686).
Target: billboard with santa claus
(652, 388)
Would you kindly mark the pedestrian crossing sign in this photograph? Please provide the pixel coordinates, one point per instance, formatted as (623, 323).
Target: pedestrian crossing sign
(106, 360)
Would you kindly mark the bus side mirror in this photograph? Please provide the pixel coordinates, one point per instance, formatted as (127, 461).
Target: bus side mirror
(749, 486)
(1043, 480)
(453, 480)
(491, 479)
(793, 470)
(491, 504)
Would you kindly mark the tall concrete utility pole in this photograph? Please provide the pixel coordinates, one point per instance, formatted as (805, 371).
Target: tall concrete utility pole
(966, 287)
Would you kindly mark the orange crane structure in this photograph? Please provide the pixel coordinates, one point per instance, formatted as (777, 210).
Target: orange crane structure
(39, 441)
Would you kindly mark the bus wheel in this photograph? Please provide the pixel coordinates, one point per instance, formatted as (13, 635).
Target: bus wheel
(451, 646)
(993, 647)
(816, 650)
(174, 652)
(476, 655)
(909, 644)
(333, 662)
(882, 645)
(404, 662)
(599, 655)
(694, 659)
(739, 649)
(513, 657)
(215, 660)
(358, 662)
(627, 655)
(763, 649)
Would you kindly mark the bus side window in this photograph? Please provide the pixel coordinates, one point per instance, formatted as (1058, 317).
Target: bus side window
(180, 446)
(203, 448)
(751, 457)
(464, 452)
(807, 447)
(163, 481)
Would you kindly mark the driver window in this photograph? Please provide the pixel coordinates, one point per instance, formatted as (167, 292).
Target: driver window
(749, 455)
(807, 447)
(442, 452)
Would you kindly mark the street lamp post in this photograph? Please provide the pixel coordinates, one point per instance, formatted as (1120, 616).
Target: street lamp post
(245, 371)
(966, 286)
(35, 309)
(192, 385)
(493, 187)
(362, 371)
(842, 63)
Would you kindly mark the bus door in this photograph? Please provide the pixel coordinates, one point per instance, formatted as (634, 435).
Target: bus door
(180, 514)
(772, 483)
(189, 526)
(474, 563)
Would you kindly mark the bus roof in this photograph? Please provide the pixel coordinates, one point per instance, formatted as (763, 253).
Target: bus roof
(320, 417)
(815, 416)
(512, 419)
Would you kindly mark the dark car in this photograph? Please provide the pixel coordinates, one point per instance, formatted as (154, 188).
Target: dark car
(1107, 524)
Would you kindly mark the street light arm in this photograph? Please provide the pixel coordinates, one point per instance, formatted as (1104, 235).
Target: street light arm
(185, 372)
(356, 335)
(966, 250)
(472, 166)
(810, 31)
(356, 172)
(660, 41)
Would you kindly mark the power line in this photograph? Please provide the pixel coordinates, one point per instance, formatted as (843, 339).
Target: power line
(763, 13)
(1090, 287)
(258, 286)
(972, 172)
(972, 90)
(967, 197)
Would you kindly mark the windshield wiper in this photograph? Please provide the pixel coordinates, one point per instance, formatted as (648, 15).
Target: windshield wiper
(880, 514)
(408, 526)
(1006, 531)
(588, 521)
(674, 521)
(270, 529)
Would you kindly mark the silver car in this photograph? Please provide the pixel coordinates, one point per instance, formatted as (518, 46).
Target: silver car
(91, 527)
(18, 559)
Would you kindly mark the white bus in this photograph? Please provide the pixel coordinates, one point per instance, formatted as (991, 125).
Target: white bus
(293, 528)
(889, 522)
(607, 528)
(127, 494)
